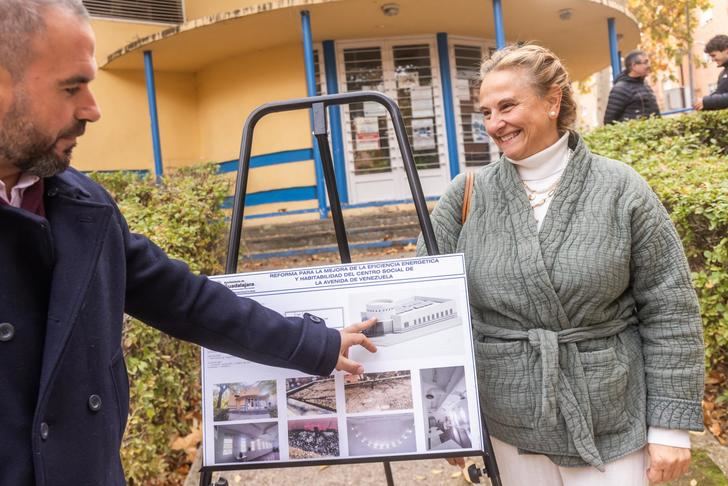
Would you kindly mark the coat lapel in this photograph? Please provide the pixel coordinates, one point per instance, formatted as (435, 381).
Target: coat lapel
(78, 227)
(548, 313)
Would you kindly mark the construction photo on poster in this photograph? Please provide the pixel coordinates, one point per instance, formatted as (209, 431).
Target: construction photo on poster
(417, 396)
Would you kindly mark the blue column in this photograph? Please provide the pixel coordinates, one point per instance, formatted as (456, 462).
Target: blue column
(447, 104)
(337, 138)
(152, 98)
(500, 35)
(308, 63)
(613, 48)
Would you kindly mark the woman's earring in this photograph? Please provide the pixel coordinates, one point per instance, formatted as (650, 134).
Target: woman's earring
(552, 114)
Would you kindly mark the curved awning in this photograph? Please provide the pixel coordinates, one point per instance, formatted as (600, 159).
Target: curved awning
(581, 40)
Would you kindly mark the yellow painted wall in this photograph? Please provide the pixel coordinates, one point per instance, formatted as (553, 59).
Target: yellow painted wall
(229, 90)
(113, 34)
(122, 138)
(195, 9)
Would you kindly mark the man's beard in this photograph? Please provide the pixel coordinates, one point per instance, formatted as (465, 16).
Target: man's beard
(30, 150)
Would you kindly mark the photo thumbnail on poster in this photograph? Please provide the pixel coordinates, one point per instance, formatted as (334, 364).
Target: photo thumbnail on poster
(254, 442)
(377, 392)
(445, 408)
(244, 401)
(313, 438)
(381, 434)
(311, 395)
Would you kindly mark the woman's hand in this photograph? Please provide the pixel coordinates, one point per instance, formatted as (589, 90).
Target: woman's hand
(456, 461)
(666, 462)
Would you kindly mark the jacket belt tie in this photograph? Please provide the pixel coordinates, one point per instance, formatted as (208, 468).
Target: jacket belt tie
(556, 391)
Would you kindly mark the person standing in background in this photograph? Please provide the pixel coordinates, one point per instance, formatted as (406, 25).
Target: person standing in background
(717, 49)
(630, 97)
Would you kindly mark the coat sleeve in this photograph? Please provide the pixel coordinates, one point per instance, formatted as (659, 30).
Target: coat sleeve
(446, 218)
(616, 104)
(669, 318)
(165, 294)
(715, 101)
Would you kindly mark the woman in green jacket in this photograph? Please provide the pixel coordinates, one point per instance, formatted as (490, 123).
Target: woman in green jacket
(587, 330)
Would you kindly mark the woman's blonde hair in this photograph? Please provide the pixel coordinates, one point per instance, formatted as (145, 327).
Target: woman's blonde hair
(545, 69)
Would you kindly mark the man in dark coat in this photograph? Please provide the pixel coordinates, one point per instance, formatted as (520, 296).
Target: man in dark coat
(70, 268)
(630, 97)
(717, 49)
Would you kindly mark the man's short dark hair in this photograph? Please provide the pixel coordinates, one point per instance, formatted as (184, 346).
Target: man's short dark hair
(633, 56)
(717, 43)
(20, 20)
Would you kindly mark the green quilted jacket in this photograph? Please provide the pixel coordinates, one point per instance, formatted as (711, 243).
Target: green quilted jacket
(588, 331)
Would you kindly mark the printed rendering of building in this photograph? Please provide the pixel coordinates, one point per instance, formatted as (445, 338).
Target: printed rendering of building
(407, 315)
(201, 67)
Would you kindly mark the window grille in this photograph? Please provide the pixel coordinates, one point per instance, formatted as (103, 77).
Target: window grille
(163, 11)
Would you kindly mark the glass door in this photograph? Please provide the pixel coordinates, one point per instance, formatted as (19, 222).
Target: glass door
(405, 72)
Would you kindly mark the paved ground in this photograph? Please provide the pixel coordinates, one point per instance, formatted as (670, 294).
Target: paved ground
(710, 467)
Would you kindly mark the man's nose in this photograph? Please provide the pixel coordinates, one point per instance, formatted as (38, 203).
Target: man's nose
(88, 110)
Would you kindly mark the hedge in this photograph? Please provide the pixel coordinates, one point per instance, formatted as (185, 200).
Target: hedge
(184, 216)
(685, 161)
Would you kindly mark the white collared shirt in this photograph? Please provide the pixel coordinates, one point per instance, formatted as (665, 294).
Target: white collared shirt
(16, 193)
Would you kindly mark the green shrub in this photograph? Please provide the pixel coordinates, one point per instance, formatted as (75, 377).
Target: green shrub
(183, 216)
(685, 160)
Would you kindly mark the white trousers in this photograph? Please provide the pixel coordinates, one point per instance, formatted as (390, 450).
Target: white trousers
(536, 469)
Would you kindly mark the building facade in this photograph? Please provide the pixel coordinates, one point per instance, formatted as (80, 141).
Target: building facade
(197, 68)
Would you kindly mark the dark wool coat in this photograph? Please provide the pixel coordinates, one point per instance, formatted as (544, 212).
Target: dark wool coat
(718, 99)
(630, 98)
(66, 282)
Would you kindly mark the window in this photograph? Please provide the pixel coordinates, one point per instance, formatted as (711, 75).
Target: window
(164, 11)
(227, 445)
(363, 68)
(416, 99)
(476, 143)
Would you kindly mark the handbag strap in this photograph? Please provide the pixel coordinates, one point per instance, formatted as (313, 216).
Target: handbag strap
(467, 195)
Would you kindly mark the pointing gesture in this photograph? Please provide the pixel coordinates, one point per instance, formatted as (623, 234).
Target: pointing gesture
(351, 336)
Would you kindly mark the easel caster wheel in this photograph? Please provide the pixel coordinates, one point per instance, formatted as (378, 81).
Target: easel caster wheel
(221, 482)
(471, 473)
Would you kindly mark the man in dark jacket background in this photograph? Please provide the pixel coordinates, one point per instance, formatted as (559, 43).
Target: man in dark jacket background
(630, 97)
(717, 49)
(70, 268)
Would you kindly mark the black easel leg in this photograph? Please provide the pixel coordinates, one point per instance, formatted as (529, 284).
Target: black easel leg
(205, 478)
(491, 465)
(388, 473)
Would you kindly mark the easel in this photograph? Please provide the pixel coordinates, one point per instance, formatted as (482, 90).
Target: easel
(318, 105)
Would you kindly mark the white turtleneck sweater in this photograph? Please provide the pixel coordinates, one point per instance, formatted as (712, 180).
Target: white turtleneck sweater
(539, 172)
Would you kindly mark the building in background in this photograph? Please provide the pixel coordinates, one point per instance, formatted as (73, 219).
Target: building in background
(206, 65)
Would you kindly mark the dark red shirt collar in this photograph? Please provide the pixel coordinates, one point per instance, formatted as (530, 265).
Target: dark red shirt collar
(32, 199)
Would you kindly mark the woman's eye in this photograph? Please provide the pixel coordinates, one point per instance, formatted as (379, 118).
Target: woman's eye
(73, 90)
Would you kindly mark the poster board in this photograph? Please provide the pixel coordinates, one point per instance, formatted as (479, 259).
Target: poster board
(417, 398)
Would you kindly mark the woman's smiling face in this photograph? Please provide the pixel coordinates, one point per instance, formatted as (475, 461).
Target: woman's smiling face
(517, 117)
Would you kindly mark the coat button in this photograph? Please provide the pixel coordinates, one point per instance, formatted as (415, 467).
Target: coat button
(7, 331)
(316, 319)
(52, 192)
(44, 429)
(94, 403)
